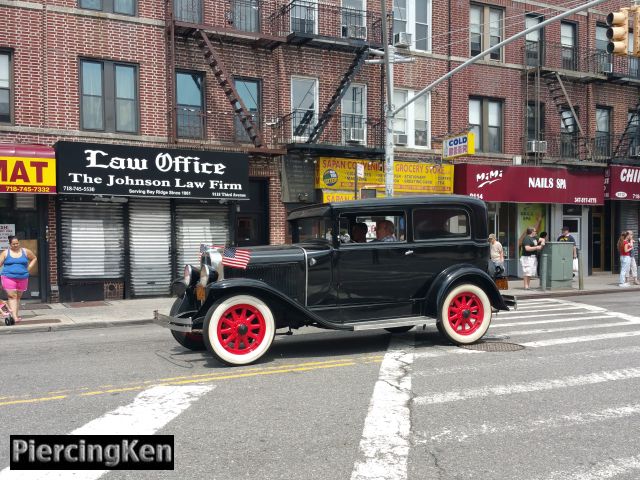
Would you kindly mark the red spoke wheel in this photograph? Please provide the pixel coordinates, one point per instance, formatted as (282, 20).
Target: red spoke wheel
(465, 314)
(238, 330)
(192, 341)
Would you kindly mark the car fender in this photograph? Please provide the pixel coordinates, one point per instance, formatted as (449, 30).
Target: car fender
(457, 274)
(238, 286)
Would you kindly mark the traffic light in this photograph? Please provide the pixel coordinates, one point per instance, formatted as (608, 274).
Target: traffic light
(618, 32)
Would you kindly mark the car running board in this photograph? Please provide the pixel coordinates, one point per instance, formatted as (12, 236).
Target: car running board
(391, 323)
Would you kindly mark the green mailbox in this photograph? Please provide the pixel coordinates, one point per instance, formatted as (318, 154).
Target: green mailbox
(559, 264)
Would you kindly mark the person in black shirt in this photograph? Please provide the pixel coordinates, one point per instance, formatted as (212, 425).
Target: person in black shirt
(567, 237)
(528, 259)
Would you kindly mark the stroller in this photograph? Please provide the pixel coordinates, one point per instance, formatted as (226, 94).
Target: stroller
(6, 314)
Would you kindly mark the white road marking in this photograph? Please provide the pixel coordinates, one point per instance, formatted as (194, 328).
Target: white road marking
(568, 329)
(572, 314)
(149, 412)
(384, 446)
(555, 320)
(581, 339)
(527, 387)
(524, 427)
(552, 309)
(599, 471)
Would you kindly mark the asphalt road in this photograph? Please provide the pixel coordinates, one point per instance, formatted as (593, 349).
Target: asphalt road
(553, 394)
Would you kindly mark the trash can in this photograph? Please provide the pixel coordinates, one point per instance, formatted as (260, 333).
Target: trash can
(560, 264)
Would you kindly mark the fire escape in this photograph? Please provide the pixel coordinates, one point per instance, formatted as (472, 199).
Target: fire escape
(249, 23)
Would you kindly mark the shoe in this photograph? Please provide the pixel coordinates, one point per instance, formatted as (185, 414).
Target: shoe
(624, 285)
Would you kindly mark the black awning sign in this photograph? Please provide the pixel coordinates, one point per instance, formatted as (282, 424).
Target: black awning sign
(104, 169)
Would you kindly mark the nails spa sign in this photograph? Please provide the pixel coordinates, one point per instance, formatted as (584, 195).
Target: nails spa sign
(103, 169)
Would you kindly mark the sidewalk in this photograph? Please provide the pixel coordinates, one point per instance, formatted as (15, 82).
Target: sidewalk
(109, 313)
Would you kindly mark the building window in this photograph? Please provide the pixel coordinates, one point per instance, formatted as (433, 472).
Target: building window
(304, 100)
(125, 7)
(249, 91)
(412, 124)
(485, 119)
(189, 11)
(633, 120)
(190, 105)
(568, 46)
(603, 132)
(109, 96)
(304, 16)
(535, 123)
(354, 20)
(568, 138)
(533, 41)
(486, 29)
(354, 115)
(5, 88)
(246, 15)
(414, 17)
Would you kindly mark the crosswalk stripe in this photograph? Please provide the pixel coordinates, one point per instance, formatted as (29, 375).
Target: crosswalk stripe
(552, 320)
(384, 447)
(151, 410)
(567, 329)
(581, 339)
(607, 469)
(527, 387)
(523, 427)
(542, 310)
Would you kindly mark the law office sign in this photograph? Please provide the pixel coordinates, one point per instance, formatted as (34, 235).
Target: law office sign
(124, 170)
(458, 146)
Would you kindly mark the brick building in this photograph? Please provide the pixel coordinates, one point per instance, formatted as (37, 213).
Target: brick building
(280, 85)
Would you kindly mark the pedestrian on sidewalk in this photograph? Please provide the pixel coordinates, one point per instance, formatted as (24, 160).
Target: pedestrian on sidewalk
(16, 263)
(624, 247)
(633, 265)
(542, 240)
(496, 252)
(528, 259)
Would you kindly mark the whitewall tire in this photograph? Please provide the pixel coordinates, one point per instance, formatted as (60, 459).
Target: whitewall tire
(465, 314)
(238, 330)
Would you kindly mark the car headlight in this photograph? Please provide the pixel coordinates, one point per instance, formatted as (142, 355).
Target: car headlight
(204, 275)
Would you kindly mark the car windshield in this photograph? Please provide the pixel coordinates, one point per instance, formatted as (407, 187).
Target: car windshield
(314, 229)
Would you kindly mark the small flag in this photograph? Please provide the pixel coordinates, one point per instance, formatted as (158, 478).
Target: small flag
(235, 257)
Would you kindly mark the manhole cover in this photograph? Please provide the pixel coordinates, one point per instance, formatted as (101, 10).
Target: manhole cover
(494, 347)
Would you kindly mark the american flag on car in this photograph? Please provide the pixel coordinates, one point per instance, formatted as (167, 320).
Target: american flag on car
(235, 257)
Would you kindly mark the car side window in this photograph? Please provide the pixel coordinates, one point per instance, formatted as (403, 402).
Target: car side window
(440, 223)
(374, 227)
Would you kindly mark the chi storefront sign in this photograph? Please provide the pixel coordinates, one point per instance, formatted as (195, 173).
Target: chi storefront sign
(622, 183)
(99, 169)
(458, 146)
(530, 184)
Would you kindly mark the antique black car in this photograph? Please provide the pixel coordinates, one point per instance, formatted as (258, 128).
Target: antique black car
(366, 264)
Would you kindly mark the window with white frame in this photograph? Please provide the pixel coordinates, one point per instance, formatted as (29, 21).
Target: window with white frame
(304, 103)
(5, 87)
(354, 114)
(413, 17)
(412, 124)
(485, 120)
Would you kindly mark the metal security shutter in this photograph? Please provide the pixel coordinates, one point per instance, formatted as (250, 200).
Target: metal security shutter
(629, 217)
(150, 246)
(92, 240)
(196, 224)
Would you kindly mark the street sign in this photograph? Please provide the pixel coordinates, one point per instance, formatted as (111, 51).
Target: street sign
(458, 146)
(360, 170)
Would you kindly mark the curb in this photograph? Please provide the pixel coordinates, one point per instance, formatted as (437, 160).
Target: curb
(71, 326)
(570, 293)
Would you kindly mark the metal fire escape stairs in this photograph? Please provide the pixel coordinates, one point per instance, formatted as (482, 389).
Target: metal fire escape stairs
(226, 82)
(562, 100)
(623, 146)
(356, 65)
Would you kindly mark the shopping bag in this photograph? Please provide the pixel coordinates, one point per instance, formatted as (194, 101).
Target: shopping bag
(575, 265)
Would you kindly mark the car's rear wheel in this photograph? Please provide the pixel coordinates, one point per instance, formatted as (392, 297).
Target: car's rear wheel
(404, 329)
(239, 329)
(192, 341)
(465, 314)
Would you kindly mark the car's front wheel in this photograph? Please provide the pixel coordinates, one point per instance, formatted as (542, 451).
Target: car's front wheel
(465, 314)
(192, 341)
(239, 329)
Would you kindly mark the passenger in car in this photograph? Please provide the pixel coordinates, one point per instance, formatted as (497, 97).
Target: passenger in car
(384, 231)
(359, 232)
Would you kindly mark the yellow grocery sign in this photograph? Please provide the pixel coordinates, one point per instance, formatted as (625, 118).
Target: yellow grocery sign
(409, 177)
(27, 174)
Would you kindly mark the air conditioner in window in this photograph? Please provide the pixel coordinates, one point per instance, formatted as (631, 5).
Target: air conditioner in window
(357, 31)
(356, 135)
(400, 138)
(402, 40)
(536, 146)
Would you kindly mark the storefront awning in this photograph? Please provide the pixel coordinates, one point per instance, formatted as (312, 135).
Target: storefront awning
(622, 182)
(27, 168)
(494, 183)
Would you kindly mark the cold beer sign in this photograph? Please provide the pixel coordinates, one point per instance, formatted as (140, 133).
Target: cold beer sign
(20, 174)
(458, 146)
